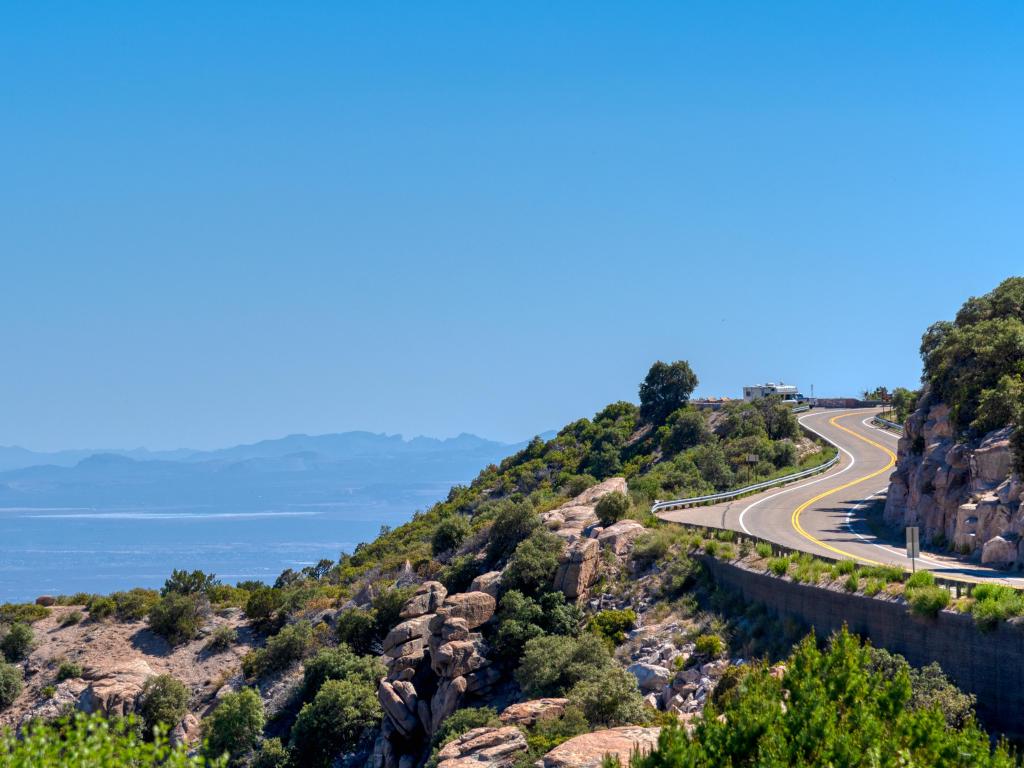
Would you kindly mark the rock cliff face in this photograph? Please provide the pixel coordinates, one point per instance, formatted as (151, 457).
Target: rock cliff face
(962, 495)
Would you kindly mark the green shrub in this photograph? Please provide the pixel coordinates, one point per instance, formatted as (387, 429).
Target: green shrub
(846, 567)
(334, 721)
(612, 625)
(994, 603)
(222, 638)
(574, 485)
(338, 664)
(459, 573)
(135, 604)
(852, 583)
(10, 684)
(189, 583)
(685, 428)
(609, 697)
(271, 754)
(356, 628)
(71, 618)
(262, 603)
(709, 645)
(888, 574)
(176, 617)
(450, 533)
(921, 579)
(234, 727)
(927, 600)
(763, 549)
(612, 507)
(654, 545)
(831, 709)
(68, 669)
(513, 522)
(92, 742)
(164, 702)
(531, 569)
(387, 607)
(289, 645)
(17, 643)
(677, 576)
(48, 691)
(552, 664)
(26, 613)
(100, 607)
(521, 618)
(779, 565)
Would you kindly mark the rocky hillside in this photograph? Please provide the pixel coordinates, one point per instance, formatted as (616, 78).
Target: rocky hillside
(960, 460)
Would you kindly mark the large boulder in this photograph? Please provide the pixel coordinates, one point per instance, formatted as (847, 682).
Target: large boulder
(577, 568)
(489, 582)
(446, 700)
(589, 749)
(114, 687)
(401, 634)
(185, 733)
(475, 607)
(999, 550)
(619, 537)
(483, 748)
(650, 677)
(529, 712)
(427, 599)
(458, 658)
(404, 720)
(992, 461)
(595, 492)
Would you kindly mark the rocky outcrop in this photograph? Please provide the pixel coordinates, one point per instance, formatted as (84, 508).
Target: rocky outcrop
(963, 495)
(619, 537)
(187, 732)
(113, 689)
(483, 748)
(577, 568)
(489, 583)
(529, 712)
(589, 750)
(427, 599)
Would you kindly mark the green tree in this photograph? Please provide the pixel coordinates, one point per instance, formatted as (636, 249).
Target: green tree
(177, 617)
(450, 533)
(553, 664)
(334, 721)
(531, 569)
(513, 522)
(685, 428)
(164, 702)
(609, 697)
(17, 643)
(520, 619)
(189, 583)
(338, 664)
(234, 727)
(666, 388)
(10, 684)
(356, 628)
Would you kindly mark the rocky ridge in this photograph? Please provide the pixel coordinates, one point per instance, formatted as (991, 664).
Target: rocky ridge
(962, 495)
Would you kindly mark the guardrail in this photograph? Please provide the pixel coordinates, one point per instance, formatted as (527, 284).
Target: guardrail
(889, 424)
(801, 408)
(713, 498)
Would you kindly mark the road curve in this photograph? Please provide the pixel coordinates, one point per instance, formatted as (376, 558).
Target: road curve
(825, 515)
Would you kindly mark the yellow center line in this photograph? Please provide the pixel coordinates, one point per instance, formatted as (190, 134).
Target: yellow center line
(834, 421)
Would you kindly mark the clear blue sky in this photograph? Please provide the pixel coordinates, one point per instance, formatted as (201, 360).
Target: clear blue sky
(229, 221)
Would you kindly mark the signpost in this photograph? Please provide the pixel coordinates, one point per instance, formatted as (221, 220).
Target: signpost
(913, 546)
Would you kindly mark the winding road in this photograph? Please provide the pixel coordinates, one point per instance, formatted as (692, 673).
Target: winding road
(825, 515)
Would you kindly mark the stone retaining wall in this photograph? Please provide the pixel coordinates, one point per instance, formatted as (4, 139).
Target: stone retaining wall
(987, 664)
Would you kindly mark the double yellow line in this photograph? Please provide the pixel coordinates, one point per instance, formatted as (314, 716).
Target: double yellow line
(834, 421)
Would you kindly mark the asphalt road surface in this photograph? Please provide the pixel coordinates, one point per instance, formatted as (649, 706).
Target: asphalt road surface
(824, 515)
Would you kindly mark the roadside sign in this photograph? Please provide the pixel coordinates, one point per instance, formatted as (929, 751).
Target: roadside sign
(913, 545)
(753, 458)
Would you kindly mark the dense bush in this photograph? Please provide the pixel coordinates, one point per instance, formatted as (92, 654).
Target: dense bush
(338, 664)
(17, 642)
(334, 721)
(521, 618)
(177, 617)
(10, 684)
(609, 697)
(164, 702)
(975, 363)
(929, 686)
(100, 607)
(92, 742)
(356, 628)
(994, 603)
(925, 597)
(531, 568)
(135, 604)
(234, 727)
(189, 583)
(271, 754)
(612, 625)
(709, 645)
(553, 664)
(289, 645)
(68, 669)
(450, 533)
(262, 603)
(612, 507)
(23, 612)
(684, 429)
(513, 522)
(830, 708)
(71, 618)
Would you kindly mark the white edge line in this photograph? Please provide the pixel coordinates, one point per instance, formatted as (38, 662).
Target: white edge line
(802, 485)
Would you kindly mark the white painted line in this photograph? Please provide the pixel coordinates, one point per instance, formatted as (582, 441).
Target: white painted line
(853, 461)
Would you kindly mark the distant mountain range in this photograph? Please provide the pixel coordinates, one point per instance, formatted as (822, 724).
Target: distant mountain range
(292, 471)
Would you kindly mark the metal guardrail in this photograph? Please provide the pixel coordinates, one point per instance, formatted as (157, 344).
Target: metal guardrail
(889, 424)
(801, 408)
(696, 501)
